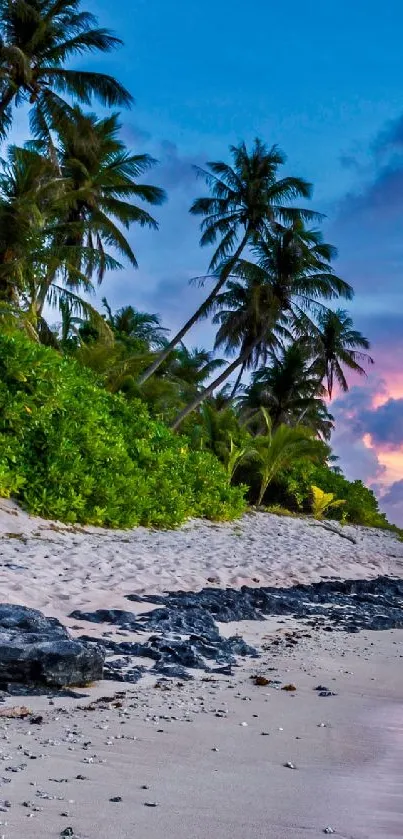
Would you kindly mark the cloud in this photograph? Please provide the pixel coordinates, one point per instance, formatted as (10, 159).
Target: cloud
(385, 424)
(394, 495)
(378, 193)
(177, 170)
(357, 459)
(389, 138)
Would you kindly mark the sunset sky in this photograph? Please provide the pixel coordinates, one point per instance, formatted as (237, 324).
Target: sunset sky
(324, 80)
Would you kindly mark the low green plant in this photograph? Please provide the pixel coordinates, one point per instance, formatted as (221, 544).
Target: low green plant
(322, 502)
(278, 448)
(70, 450)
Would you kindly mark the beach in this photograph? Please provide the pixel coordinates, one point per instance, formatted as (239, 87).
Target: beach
(224, 754)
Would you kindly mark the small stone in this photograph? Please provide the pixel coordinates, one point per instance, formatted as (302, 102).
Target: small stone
(243, 724)
(116, 799)
(265, 733)
(289, 688)
(289, 765)
(144, 786)
(214, 749)
(328, 830)
(150, 804)
(68, 831)
(260, 681)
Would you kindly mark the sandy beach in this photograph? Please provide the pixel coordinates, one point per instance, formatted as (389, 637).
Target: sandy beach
(219, 754)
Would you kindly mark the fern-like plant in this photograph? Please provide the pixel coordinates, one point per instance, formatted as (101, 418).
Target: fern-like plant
(323, 501)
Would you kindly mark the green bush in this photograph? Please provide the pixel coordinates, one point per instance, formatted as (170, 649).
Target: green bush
(72, 451)
(360, 504)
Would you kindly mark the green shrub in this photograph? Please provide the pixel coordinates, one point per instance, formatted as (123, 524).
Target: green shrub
(322, 502)
(360, 504)
(72, 451)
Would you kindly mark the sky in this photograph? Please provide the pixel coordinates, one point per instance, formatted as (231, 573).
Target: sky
(323, 80)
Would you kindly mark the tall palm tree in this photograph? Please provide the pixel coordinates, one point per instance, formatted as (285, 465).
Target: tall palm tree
(338, 345)
(31, 191)
(288, 388)
(282, 290)
(247, 198)
(247, 319)
(101, 179)
(27, 185)
(38, 38)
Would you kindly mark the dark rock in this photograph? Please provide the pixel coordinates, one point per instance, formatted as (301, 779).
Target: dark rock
(184, 624)
(35, 649)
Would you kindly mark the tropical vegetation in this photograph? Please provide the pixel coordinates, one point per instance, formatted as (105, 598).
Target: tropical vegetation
(104, 417)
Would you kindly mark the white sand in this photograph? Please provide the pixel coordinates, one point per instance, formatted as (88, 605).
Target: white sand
(57, 569)
(209, 774)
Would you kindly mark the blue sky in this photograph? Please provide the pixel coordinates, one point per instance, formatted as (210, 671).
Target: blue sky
(324, 80)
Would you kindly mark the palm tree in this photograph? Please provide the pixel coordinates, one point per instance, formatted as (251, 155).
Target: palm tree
(336, 346)
(191, 368)
(247, 319)
(280, 291)
(37, 40)
(288, 388)
(101, 178)
(246, 200)
(30, 195)
(129, 324)
(281, 447)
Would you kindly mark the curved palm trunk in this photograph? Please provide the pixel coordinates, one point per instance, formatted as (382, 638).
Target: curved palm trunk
(238, 382)
(217, 382)
(197, 315)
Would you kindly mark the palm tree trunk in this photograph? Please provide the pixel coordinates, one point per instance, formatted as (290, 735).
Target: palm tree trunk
(197, 315)
(238, 382)
(217, 382)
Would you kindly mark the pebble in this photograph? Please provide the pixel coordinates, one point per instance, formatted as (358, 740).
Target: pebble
(150, 804)
(289, 765)
(116, 799)
(328, 830)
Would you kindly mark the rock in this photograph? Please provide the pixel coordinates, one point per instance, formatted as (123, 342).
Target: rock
(116, 799)
(328, 830)
(289, 688)
(260, 681)
(19, 712)
(185, 634)
(39, 650)
(289, 765)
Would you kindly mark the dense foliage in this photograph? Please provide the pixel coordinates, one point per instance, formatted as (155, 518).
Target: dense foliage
(87, 403)
(71, 450)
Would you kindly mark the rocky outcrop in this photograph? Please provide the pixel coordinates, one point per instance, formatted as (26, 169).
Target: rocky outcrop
(38, 650)
(185, 632)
